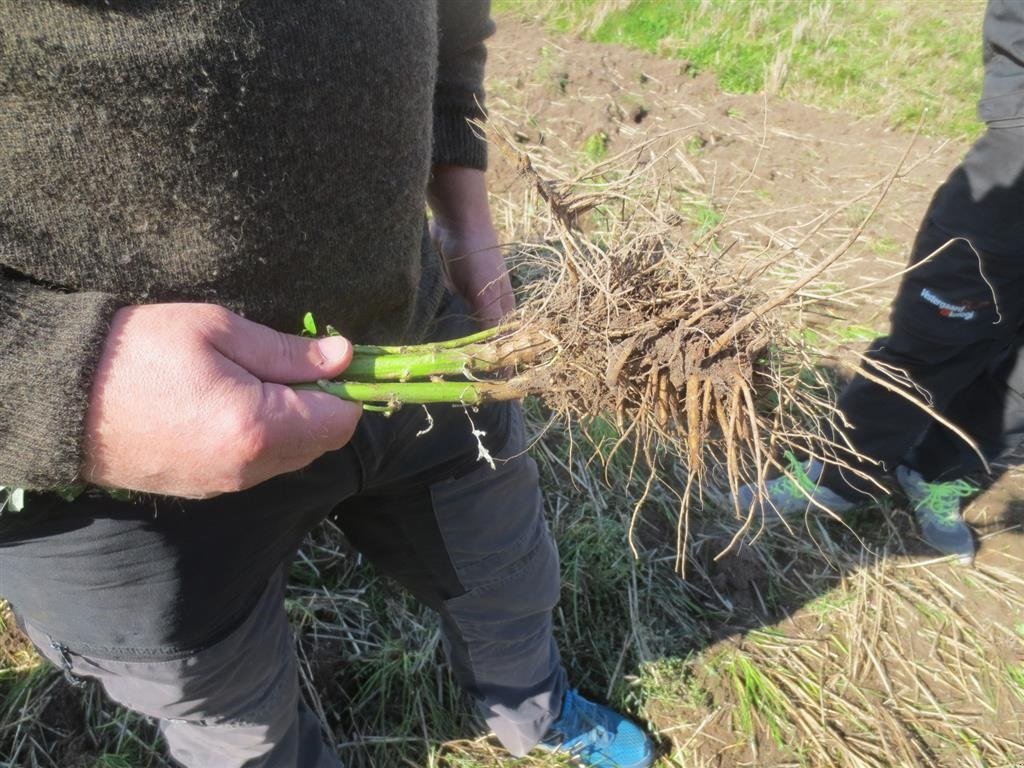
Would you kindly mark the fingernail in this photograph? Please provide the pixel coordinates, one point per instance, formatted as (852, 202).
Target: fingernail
(333, 348)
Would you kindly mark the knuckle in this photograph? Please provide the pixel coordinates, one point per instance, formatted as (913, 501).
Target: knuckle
(244, 437)
(211, 316)
(286, 350)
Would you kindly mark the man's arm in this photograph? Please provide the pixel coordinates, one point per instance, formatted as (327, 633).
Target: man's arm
(50, 342)
(457, 194)
(463, 26)
(464, 233)
(179, 399)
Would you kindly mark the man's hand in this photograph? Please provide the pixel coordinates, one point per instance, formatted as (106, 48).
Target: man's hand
(189, 400)
(476, 269)
(465, 235)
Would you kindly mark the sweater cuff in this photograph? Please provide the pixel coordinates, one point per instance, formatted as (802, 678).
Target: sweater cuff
(456, 141)
(50, 343)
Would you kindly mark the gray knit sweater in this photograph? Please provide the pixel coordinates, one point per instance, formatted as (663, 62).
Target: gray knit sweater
(270, 156)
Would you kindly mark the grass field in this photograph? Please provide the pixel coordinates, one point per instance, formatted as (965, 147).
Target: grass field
(903, 60)
(827, 645)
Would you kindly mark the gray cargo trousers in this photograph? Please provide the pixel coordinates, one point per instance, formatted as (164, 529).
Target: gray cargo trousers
(469, 541)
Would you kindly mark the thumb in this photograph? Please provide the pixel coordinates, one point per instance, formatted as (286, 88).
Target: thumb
(282, 358)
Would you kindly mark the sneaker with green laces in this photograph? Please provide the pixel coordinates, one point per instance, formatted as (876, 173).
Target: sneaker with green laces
(937, 509)
(795, 493)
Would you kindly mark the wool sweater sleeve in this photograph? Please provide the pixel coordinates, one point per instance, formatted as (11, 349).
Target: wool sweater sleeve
(459, 94)
(49, 345)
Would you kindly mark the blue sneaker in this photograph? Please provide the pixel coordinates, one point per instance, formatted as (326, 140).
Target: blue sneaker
(597, 737)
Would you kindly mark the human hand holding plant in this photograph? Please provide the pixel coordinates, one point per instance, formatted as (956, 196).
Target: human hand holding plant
(190, 400)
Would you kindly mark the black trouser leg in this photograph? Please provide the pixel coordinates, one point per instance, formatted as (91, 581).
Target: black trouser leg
(991, 410)
(954, 317)
(473, 544)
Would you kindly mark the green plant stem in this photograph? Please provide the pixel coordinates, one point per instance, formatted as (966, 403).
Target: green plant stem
(385, 378)
(419, 392)
(395, 394)
(483, 352)
(422, 365)
(433, 346)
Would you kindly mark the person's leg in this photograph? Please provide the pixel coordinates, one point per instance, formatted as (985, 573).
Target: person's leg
(953, 317)
(945, 330)
(990, 410)
(956, 318)
(176, 606)
(234, 704)
(472, 543)
(469, 539)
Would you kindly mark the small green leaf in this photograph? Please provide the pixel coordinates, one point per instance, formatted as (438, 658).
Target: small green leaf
(70, 492)
(858, 333)
(596, 146)
(810, 336)
(309, 324)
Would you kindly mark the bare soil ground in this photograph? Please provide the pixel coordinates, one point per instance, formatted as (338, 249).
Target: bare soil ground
(768, 166)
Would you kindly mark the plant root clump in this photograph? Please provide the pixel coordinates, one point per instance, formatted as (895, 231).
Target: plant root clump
(636, 340)
(667, 345)
(682, 349)
(661, 331)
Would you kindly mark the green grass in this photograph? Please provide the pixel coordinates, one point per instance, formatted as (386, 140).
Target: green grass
(672, 682)
(904, 61)
(758, 701)
(596, 146)
(830, 604)
(694, 145)
(886, 246)
(705, 216)
(1015, 677)
(856, 333)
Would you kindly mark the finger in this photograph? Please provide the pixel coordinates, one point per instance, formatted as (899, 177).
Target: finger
(496, 301)
(299, 425)
(282, 358)
(508, 296)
